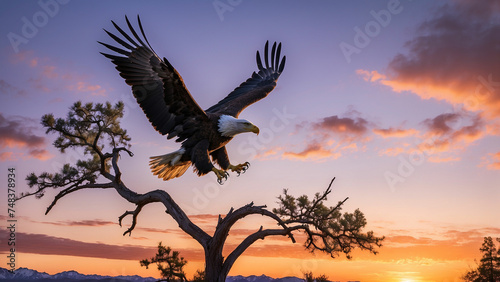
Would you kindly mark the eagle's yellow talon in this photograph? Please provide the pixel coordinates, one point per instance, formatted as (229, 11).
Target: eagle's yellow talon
(221, 175)
(241, 168)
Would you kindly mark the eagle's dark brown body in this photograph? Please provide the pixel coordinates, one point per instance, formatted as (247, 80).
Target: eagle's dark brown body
(208, 140)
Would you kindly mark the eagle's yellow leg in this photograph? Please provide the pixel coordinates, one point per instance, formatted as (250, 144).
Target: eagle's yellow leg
(241, 168)
(221, 175)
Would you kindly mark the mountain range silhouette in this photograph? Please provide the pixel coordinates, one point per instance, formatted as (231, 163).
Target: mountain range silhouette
(25, 274)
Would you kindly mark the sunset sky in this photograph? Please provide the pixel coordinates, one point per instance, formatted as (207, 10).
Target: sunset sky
(399, 100)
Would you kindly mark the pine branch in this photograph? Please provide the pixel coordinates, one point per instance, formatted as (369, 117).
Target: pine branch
(329, 231)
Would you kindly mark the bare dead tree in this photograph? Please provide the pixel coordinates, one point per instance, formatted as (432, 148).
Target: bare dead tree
(94, 127)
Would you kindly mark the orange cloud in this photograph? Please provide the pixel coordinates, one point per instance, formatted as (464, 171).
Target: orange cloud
(269, 153)
(313, 151)
(49, 72)
(82, 223)
(371, 76)
(7, 156)
(438, 159)
(442, 138)
(16, 133)
(391, 151)
(451, 132)
(40, 154)
(492, 161)
(394, 132)
(342, 125)
(81, 86)
(454, 57)
(329, 137)
(23, 56)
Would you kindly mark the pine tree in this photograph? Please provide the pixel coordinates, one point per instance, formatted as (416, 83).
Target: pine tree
(488, 269)
(199, 276)
(170, 265)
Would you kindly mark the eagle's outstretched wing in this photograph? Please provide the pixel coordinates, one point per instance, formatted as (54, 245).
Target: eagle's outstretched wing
(156, 85)
(256, 87)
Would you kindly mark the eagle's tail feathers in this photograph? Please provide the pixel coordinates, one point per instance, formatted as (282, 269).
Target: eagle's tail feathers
(169, 166)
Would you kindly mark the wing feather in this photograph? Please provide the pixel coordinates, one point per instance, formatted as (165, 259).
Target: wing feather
(273, 52)
(156, 85)
(259, 61)
(278, 53)
(266, 55)
(133, 32)
(122, 32)
(119, 40)
(258, 86)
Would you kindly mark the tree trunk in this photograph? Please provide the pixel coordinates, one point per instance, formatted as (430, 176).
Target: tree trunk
(213, 265)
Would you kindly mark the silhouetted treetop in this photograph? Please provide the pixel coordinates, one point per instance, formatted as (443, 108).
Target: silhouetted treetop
(327, 229)
(169, 263)
(90, 127)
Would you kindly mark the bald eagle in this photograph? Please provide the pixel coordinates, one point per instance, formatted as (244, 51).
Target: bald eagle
(170, 108)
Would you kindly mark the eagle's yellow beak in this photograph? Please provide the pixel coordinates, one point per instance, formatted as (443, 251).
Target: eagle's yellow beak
(254, 129)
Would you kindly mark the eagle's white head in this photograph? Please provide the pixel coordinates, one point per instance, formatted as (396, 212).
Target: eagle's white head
(230, 126)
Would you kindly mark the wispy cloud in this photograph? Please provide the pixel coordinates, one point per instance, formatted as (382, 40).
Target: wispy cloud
(82, 86)
(392, 151)
(49, 245)
(446, 244)
(394, 132)
(451, 132)
(443, 137)
(49, 77)
(345, 126)
(330, 136)
(8, 89)
(87, 223)
(313, 151)
(492, 161)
